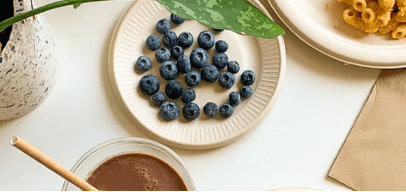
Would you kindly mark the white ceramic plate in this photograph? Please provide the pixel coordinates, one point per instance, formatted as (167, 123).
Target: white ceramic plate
(320, 25)
(263, 56)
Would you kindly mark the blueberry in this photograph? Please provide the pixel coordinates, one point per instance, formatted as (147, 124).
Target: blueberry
(210, 109)
(220, 60)
(191, 111)
(227, 80)
(176, 19)
(158, 98)
(149, 84)
(177, 51)
(143, 63)
(193, 78)
(233, 67)
(185, 39)
(234, 98)
(248, 77)
(163, 26)
(219, 30)
(184, 64)
(226, 110)
(210, 73)
(188, 95)
(170, 39)
(153, 42)
(199, 58)
(169, 70)
(173, 89)
(221, 46)
(246, 92)
(169, 111)
(206, 39)
(162, 55)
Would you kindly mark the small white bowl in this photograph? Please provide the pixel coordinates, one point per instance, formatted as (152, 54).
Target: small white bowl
(112, 148)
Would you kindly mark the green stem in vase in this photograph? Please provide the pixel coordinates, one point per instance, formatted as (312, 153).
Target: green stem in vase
(4, 24)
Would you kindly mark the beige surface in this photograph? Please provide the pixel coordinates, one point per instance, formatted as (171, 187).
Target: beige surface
(266, 57)
(374, 154)
(320, 24)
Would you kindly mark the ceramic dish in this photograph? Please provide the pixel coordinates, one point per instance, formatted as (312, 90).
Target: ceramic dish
(104, 151)
(320, 25)
(266, 57)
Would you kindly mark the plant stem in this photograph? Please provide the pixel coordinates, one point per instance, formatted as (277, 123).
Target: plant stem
(4, 24)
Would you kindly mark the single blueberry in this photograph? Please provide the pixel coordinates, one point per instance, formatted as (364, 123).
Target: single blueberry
(191, 111)
(193, 78)
(199, 58)
(185, 39)
(158, 98)
(149, 84)
(210, 73)
(176, 19)
(234, 98)
(233, 67)
(188, 95)
(170, 39)
(210, 109)
(143, 63)
(169, 111)
(248, 77)
(162, 55)
(177, 51)
(221, 46)
(219, 30)
(153, 42)
(169, 70)
(173, 89)
(206, 39)
(184, 64)
(227, 80)
(226, 110)
(246, 92)
(220, 60)
(163, 26)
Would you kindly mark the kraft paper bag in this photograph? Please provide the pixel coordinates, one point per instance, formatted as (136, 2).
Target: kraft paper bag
(373, 156)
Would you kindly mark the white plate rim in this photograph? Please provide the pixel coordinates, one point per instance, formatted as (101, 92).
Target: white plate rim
(315, 40)
(207, 145)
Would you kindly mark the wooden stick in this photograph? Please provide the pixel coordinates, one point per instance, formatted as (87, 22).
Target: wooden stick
(50, 164)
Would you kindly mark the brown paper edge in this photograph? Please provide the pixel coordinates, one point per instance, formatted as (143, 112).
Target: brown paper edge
(364, 111)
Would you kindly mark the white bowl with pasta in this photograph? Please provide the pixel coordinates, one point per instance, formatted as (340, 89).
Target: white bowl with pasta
(326, 26)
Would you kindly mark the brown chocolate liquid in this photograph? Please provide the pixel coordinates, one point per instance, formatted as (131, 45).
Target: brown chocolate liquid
(136, 172)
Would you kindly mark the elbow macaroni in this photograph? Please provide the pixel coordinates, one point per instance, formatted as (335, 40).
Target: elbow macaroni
(353, 18)
(358, 5)
(399, 32)
(374, 16)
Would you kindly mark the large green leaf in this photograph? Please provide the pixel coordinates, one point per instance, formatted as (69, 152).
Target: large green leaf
(239, 16)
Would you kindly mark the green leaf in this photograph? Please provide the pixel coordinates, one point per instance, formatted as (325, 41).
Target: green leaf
(76, 5)
(239, 16)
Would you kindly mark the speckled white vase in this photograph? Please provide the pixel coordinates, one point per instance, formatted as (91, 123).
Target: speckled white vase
(28, 64)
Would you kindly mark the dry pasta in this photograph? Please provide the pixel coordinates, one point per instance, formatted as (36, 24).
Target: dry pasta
(401, 3)
(371, 16)
(393, 24)
(399, 32)
(386, 5)
(354, 19)
(358, 5)
(383, 18)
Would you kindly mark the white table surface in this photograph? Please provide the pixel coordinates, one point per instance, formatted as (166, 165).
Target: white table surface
(294, 146)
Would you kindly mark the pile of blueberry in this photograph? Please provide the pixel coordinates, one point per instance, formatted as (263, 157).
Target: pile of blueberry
(198, 60)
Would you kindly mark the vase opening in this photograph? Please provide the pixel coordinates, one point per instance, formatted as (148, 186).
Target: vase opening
(7, 11)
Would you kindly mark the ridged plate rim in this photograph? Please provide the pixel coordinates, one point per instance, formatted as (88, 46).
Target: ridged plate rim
(279, 42)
